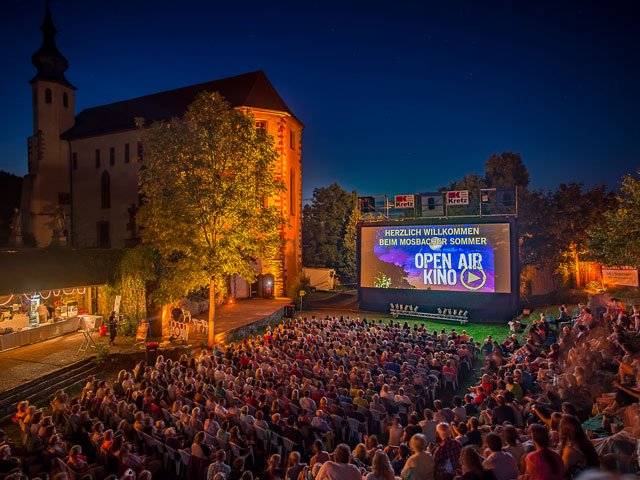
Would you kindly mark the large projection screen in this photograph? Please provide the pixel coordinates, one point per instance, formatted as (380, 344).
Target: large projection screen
(472, 258)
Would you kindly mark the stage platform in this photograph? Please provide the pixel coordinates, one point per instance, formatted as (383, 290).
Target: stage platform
(30, 362)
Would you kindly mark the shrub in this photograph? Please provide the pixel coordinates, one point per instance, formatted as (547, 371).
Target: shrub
(103, 351)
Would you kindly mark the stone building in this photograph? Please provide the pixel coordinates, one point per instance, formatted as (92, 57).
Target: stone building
(82, 189)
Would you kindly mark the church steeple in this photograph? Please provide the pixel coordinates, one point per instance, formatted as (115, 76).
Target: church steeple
(51, 64)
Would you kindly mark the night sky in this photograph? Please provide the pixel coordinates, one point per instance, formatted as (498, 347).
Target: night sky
(397, 97)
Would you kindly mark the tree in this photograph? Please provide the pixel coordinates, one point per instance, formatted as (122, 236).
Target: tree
(473, 183)
(206, 188)
(10, 192)
(349, 260)
(615, 241)
(506, 170)
(324, 225)
(537, 244)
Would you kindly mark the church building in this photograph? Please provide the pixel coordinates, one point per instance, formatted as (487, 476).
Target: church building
(81, 189)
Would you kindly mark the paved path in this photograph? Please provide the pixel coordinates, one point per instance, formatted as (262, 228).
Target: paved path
(243, 312)
(32, 361)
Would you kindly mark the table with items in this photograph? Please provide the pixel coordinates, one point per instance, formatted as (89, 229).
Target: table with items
(44, 331)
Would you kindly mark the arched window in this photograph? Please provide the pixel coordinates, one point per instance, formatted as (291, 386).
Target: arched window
(47, 95)
(65, 100)
(105, 190)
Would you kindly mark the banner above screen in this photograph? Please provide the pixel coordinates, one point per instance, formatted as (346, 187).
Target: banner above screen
(456, 258)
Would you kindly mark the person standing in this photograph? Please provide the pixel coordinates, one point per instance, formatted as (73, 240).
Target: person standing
(113, 327)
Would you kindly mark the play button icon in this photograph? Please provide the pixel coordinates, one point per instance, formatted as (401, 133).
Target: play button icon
(473, 279)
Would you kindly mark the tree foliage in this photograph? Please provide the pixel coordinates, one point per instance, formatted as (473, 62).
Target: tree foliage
(553, 226)
(349, 267)
(137, 268)
(324, 226)
(506, 170)
(10, 192)
(206, 187)
(615, 241)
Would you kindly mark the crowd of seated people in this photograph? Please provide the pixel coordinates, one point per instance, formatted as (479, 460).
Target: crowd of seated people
(273, 406)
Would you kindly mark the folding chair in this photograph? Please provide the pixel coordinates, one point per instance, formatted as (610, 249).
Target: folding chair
(175, 457)
(276, 442)
(185, 458)
(248, 452)
(263, 436)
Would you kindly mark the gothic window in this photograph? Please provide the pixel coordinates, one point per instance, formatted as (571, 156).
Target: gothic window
(65, 99)
(105, 190)
(47, 95)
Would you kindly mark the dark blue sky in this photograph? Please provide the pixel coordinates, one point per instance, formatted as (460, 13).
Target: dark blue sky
(396, 97)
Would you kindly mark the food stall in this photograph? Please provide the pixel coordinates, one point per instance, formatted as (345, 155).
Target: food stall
(44, 315)
(48, 293)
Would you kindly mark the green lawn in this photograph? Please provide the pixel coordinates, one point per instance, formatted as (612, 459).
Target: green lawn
(478, 331)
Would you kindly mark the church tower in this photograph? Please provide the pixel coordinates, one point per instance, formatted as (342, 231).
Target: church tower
(46, 199)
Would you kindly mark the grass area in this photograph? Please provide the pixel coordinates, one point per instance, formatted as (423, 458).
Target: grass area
(478, 331)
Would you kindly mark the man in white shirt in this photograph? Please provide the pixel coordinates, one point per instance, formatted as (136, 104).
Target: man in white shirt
(339, 468)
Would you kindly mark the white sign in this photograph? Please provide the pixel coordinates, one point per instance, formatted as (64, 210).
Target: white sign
(404, 201)
(116, 304)
(458, 197)
(179, 330)
(620, 276)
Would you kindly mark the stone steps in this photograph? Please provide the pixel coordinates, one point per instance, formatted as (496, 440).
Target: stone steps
(39, 391)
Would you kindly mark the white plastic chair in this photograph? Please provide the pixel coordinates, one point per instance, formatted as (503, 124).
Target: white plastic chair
(450, 378)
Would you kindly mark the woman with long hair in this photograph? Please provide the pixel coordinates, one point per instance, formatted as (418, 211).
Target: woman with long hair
(543, 463)
(381, 467)
(576, 449)
(273, 470)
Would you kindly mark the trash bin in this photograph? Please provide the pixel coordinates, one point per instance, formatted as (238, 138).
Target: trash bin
(289, 310)
(151, 353)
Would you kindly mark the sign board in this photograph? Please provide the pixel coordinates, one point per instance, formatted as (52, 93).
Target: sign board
(620, 276)
(143, 329)
(302, 293)
(404, 201)
(457, 197)
(179, 330)
(432, 204)
(116, 304)
(367, 204)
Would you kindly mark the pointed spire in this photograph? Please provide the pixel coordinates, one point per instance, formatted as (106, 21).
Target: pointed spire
(48, 60)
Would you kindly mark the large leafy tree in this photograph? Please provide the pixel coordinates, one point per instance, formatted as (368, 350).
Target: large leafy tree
(574, 213)
(349, 259)
(324, 225)
(615, 240)
(506, 170)
(206, 187)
